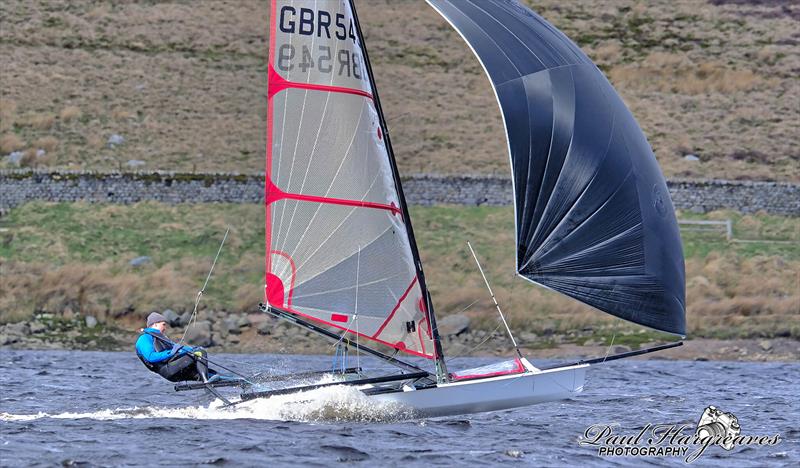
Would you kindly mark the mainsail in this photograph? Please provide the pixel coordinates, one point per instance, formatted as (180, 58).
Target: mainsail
(594, 219)
(340, 248)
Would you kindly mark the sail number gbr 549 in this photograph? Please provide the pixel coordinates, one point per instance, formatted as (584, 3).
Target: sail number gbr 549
(324, 25)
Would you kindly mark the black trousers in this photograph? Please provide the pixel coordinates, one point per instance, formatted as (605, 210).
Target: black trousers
(186, 367)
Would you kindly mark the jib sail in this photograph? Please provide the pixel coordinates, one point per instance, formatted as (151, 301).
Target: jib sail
(594, 219)
(339, 245)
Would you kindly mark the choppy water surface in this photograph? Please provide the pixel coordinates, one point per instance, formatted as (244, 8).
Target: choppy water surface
(106, 409)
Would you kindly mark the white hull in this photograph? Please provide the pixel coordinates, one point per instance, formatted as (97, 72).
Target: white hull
(492, 393)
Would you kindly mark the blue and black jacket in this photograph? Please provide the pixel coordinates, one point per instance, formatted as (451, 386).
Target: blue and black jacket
(154, 349)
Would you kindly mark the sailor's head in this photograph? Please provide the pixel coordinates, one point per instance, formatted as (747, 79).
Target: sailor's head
(157, 321)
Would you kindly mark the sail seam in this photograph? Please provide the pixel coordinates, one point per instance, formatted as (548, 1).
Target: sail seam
(396, 307)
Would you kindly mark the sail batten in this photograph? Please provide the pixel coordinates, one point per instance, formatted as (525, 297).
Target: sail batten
(593, 217)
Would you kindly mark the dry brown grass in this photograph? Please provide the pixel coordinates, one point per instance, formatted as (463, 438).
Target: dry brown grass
(95, 142)
(48, 143)
(720, 77)
(70, 113)
(10, 142)
(121, 114)
(104, 290)
(676, 73)
(8, 111)
(752, 295)
(30, 158)
(41, 121)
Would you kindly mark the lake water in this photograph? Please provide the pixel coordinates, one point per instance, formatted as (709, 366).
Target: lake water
(106, 409)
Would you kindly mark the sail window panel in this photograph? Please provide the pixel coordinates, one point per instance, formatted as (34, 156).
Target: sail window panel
(347, 262)
(330, 144)
(318, 236)
(315, 43)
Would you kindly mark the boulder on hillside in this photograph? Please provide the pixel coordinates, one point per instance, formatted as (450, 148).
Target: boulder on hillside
(37, 327)
(453, 325)
(257, 319)
(242, 321)
(199, 334)
(18, 329)
(185, 317)
(172, 317)
(264, 328)
(6, 339)
(231, 325)
(139, 261)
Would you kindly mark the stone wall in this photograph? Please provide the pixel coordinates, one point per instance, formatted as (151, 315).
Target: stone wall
(20, 186)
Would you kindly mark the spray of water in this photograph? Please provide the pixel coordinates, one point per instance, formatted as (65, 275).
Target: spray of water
(325, 404)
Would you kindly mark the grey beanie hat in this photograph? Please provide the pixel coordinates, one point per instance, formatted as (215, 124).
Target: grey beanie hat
(154, 318)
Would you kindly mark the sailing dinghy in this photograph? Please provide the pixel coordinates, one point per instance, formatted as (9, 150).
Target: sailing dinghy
(594, 219)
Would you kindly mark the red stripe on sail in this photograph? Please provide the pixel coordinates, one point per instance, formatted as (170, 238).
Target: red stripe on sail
(293, 276)
(400, 301)
(419, 334)
(277, 83)
(391, 345)
(338, 318)
(273, 194)
(268, 163)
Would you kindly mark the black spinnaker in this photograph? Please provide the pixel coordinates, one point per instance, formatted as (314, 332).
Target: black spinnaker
(594, 219)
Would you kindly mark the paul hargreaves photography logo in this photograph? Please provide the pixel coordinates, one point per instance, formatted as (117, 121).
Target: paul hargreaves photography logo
(689, 442)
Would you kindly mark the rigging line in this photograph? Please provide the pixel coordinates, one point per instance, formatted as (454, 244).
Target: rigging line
(168, 342)
(611, 344)
(202, 290)
(355, 317)
(488, 337)
(502, 317)
(467, 307)
(346, 331)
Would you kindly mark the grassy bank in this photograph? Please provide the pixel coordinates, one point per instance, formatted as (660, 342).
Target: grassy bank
(185, 83)
(76, 258)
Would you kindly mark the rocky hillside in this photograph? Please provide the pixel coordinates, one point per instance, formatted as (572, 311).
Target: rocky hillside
(181, 84)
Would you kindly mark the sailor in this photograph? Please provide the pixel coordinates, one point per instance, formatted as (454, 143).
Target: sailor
(172, 361)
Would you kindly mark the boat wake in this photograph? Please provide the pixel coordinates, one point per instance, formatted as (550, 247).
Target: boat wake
(332, 404)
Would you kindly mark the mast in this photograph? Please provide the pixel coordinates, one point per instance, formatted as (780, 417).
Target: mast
(441, 367)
